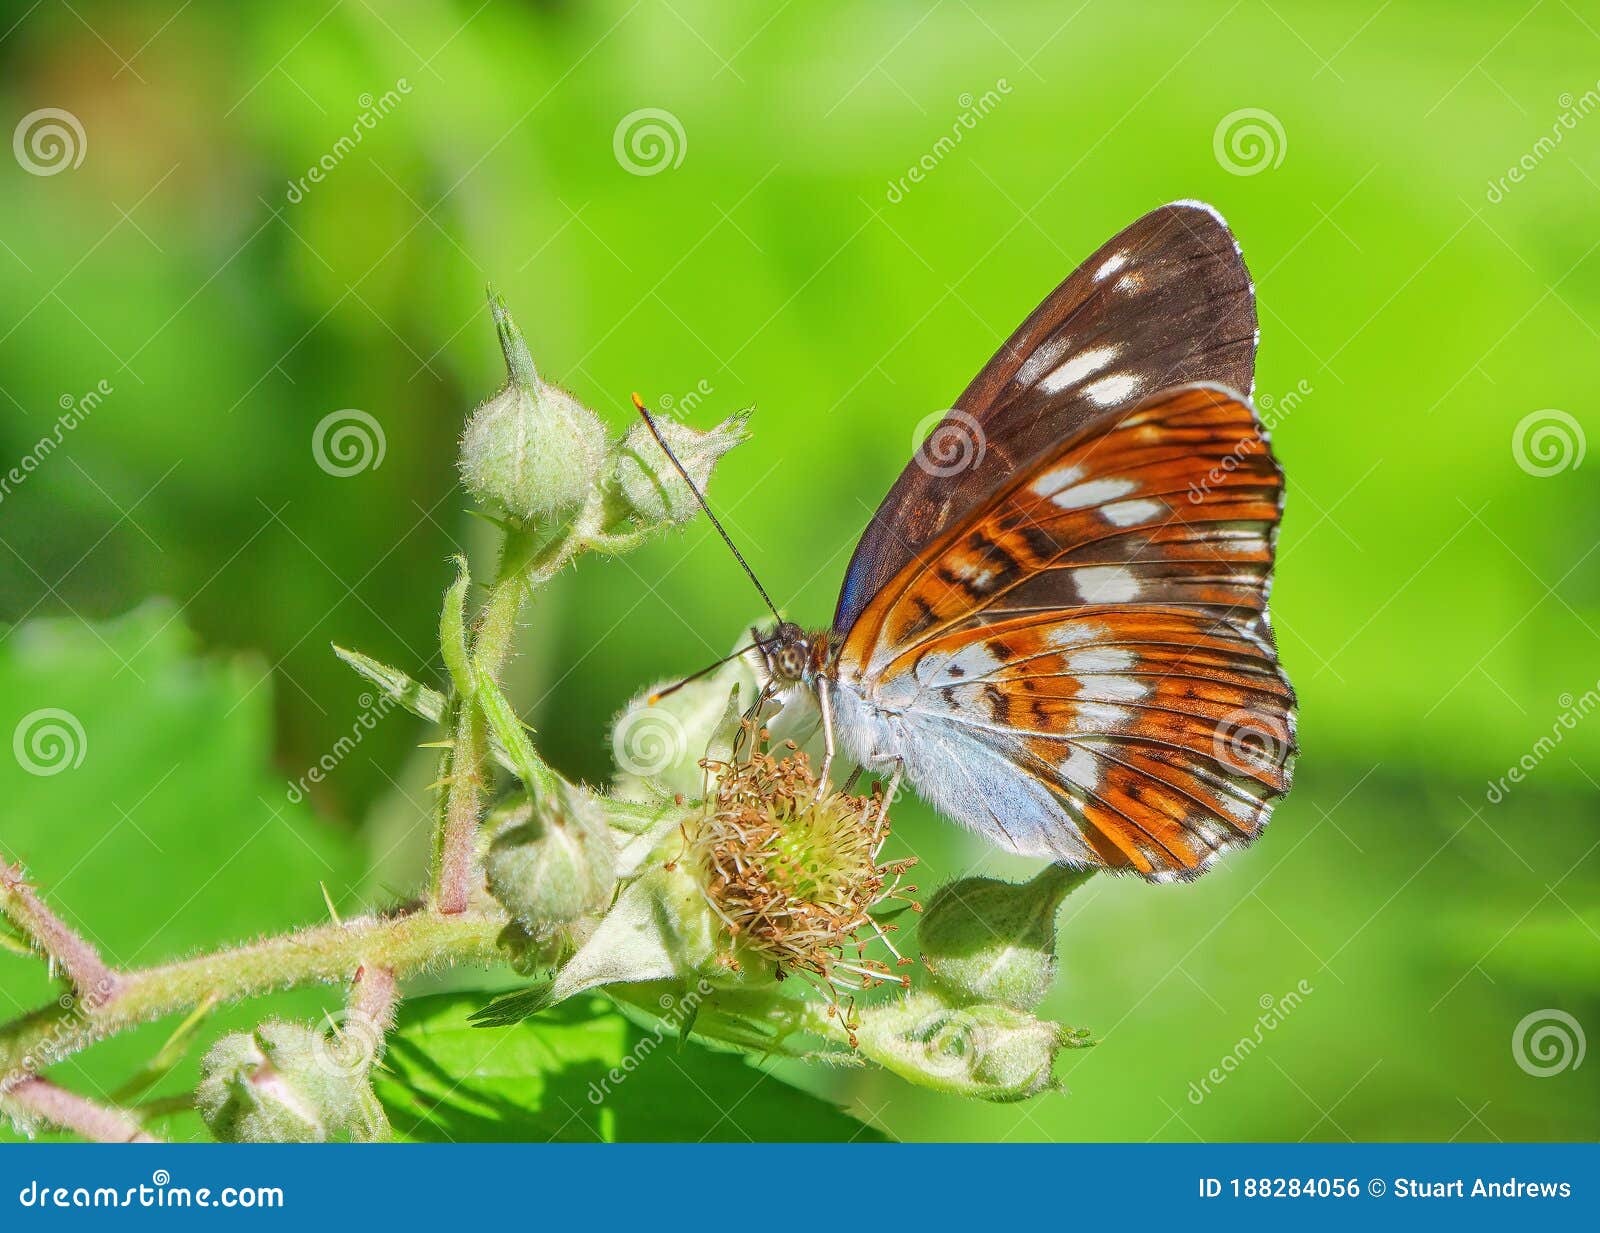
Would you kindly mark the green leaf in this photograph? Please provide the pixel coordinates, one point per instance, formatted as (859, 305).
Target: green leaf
(415, 697)
(583, 1072)
(171, 833)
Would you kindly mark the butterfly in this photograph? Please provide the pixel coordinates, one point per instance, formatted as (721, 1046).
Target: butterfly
(1055, 626)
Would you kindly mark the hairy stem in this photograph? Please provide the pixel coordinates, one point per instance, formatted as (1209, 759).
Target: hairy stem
(39, 1098)
(408, 942)
(526, 562)
(78, 959)
(374, 995)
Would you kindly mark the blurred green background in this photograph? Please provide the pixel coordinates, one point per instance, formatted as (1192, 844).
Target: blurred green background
(1437, 602)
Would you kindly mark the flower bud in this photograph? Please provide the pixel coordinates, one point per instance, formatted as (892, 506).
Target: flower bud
(554, 869)
(290, 1083)
(988, 1051)
(533, 450)
(984, 940)
(651, 488)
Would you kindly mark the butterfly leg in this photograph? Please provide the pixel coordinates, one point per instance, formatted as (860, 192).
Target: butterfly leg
(825, 707)
(883, 805)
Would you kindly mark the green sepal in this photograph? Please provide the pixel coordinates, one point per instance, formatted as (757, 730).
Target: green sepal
(512, 736)
(417, 698)
(453, 631)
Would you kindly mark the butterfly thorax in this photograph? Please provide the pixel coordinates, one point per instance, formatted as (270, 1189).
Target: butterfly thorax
(795, 656)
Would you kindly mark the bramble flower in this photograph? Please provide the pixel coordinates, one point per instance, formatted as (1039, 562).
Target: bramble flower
(791, 869)
(774, 875)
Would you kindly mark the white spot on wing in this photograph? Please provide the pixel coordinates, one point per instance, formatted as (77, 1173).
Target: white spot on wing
(972, 661)
(1108, 391)
(1075, 633)
(1081, 767)
(1118, 688)
(1106, 584)
(1044, 357)
(1095, 492)
(1055, 479)
(1102, 659)
(1100, 716)
(1075, 369)
(1130, 513)
(1110, 266)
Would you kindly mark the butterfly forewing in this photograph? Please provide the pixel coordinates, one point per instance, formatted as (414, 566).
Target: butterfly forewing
(1095, 631)
(1166, 301)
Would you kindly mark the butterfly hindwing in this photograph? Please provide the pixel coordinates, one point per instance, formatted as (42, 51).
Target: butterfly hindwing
(1165, 301)
(1091, 645)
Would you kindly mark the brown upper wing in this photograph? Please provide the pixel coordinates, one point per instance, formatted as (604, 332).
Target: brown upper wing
(1166, 301)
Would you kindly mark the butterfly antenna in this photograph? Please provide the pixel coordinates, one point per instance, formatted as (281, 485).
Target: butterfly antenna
(700, 497)
(706, 671)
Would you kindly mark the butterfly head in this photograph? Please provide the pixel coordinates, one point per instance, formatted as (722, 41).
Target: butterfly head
(790, 655)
